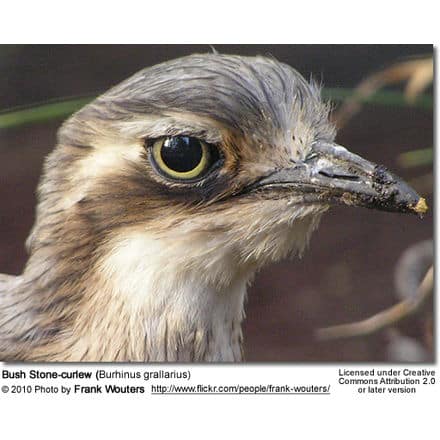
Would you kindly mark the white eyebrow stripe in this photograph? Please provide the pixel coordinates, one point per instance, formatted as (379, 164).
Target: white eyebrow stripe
(154, 126)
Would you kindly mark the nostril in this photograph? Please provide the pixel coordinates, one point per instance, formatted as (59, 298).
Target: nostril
(334, 175)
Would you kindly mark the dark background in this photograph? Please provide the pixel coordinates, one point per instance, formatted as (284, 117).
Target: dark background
(348, 272)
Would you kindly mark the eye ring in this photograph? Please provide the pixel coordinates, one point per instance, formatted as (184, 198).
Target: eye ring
(183, 158)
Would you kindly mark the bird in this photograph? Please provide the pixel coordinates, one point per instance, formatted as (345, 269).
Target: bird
(163, 198)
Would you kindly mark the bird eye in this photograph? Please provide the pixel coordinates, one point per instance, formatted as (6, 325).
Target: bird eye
(183, 157)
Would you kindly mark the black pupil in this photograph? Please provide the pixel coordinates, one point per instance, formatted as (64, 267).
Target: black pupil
(181, 153)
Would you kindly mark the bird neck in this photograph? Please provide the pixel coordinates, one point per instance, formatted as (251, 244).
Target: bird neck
(168, 311)
(189, 322)
(131, 306)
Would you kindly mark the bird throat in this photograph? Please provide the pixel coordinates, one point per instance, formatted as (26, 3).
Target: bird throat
(140, 305)
(170, 310)
(172, 320)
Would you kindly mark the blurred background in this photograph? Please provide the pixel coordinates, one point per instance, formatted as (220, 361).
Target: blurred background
(358, 263)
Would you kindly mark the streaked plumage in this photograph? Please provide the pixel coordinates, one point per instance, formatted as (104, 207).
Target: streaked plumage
(127, 264)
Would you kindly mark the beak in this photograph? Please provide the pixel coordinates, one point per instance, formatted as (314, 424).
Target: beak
(333, 175)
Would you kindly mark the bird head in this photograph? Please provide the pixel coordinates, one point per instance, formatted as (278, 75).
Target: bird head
(212, 164)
